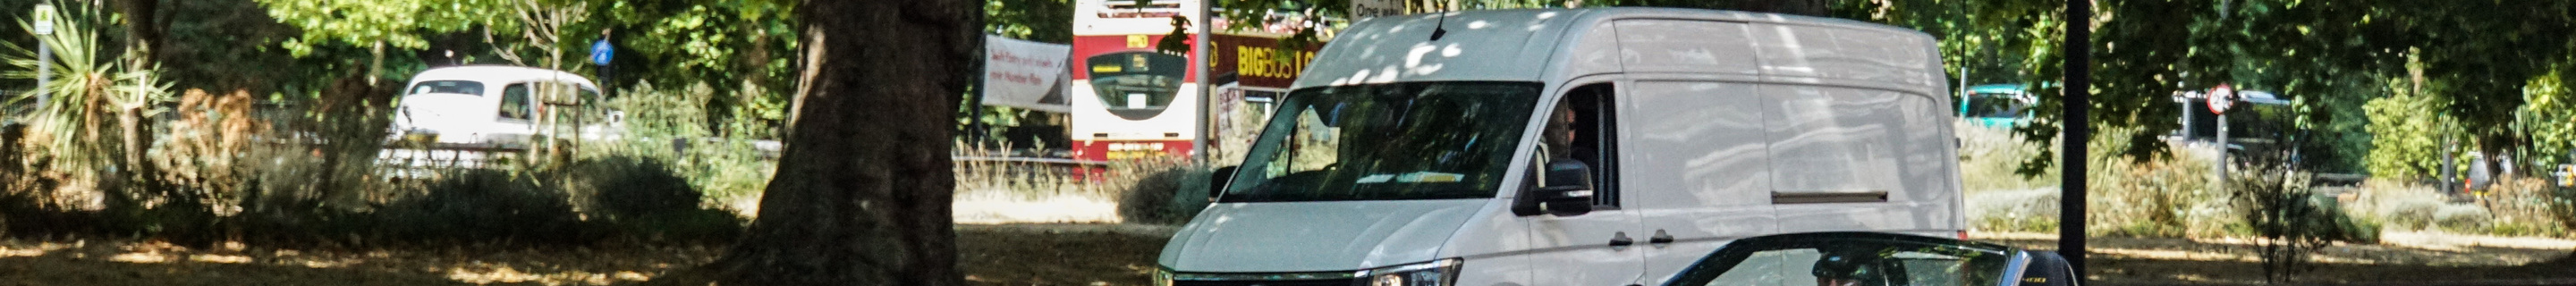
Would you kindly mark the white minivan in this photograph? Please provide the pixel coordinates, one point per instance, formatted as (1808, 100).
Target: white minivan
(1608, 147)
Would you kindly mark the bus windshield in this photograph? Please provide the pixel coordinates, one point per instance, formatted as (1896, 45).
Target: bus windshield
(1393, 141)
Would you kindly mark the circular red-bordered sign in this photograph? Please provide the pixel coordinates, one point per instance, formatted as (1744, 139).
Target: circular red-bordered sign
(2220, 97)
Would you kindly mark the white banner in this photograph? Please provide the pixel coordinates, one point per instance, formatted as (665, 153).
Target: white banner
(1025, 74)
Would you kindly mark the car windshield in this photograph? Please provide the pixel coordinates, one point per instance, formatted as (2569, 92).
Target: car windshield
(1850, 259)
(1994, 105)
(1393, 141)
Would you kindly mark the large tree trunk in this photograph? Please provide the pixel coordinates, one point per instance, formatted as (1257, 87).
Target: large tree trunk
(862, 192)
(144, 27)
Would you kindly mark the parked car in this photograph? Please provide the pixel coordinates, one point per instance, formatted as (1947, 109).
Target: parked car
(496, 107)
(1609, 146)
(1996, 105)
(1873, 259)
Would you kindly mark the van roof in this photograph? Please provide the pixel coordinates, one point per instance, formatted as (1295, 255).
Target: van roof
(500, 74)
(1500, 45)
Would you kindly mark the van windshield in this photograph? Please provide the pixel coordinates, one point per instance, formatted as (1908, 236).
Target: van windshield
(1393, 141)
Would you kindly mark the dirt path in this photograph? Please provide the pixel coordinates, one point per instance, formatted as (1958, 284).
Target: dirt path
(2401, 259)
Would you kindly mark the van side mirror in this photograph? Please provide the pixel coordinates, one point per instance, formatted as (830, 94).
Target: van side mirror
(2048, 269)
(1217, 180)
(1564, 189)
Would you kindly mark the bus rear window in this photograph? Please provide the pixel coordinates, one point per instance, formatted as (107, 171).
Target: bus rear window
(448, 86)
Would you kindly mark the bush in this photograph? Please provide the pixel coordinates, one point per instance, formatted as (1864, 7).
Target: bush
(485, 205)
(1170, 196)
(2279, 206)
(2411, 214)
(622, 187)
(2397, 205)
(2032, 210)
(2463, 218)
(1989, 157)
(2160, 196)
(641, 197)
(2526, 206)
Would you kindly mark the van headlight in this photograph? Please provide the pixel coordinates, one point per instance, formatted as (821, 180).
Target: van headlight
(1162, 277)
(1435, 273)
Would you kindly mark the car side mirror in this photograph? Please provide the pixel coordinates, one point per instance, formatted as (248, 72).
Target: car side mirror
(1217, 180)
(1564, 189)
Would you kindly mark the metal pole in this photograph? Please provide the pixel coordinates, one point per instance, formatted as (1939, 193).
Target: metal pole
(44, 74)
(2222, 151)
(1199, 65)
(2078, 68)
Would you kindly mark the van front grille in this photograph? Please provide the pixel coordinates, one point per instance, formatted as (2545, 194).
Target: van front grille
(1311, 282)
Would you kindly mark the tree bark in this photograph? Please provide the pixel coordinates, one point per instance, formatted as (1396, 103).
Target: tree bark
(863, 188)
(144, 27)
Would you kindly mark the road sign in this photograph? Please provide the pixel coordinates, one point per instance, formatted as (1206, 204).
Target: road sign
(44, 19)
(600, 52)
(2220, 98)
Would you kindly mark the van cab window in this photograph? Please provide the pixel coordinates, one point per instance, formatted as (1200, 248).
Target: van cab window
(1580, 129)
(1392, 141)
(514, 102)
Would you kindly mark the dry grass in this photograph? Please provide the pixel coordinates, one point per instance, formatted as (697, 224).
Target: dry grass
(2401, 258)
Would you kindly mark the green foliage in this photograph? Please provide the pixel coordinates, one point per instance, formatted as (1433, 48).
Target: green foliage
(224, 46)
(727, 42)
(2408, 134)
(2551, 104)
(2169, 196)
(93, 90)
(1048, 21)
(402, 24)
(677, 127)
(2472, 59)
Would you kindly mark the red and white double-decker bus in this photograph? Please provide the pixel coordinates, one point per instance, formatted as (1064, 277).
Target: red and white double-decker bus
(1130, 100)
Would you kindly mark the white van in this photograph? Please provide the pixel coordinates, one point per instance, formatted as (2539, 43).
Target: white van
(499, 107)
(1603, 147)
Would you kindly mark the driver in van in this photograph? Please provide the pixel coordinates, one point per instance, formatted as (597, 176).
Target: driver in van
(1560, 136)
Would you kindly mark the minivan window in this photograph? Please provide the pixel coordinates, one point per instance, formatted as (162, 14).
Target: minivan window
(465, 87)
(514, 102)
(1392, 141)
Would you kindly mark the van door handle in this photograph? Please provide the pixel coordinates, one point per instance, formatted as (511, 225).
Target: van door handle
(1621, 239)
(1660, 238)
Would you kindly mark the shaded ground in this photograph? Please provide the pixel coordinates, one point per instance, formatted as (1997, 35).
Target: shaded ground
(1110, 254)
(990, 255)
(2401, 259)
